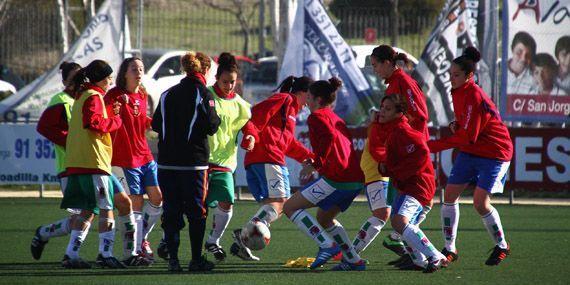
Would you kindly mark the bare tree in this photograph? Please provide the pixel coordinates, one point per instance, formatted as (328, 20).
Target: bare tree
(4, 7)
(395, 19)
(243, 11)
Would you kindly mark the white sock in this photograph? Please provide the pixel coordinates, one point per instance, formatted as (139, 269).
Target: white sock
(57, 229)
(340, 236)
(266, 214)
(367, 233)
(221, 220)
(396, 236)
(139, 230)
(76, 239)
(151, 215)
(492, 222)
(450, 222)
(126, 228)
(106, 241)
(418, 257)
(422, 216)
(308, 225)
(416, 239)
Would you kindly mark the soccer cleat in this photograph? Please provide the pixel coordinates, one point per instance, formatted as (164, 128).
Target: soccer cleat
(498, 255)
(217, 251)
(137, 260)
(240, 250)
(162, 250)
(37, 246)
(200, 265)
(146, 251)
(396, 246)
(450, 255)
(76, 263)
(402, 259)
(434, 264)
(406, 263)
(338, 257)
(109, 262)
(174, 265)
(324, 255)
(346, 266)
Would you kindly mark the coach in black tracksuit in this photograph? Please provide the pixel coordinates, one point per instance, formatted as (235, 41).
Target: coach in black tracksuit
(184, 118)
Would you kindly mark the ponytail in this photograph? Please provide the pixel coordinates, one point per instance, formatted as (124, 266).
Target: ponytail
(326, 90)
(294, 84)
(387, 53)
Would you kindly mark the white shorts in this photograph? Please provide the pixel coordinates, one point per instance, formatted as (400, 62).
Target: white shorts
(408, 207)
(377, 194)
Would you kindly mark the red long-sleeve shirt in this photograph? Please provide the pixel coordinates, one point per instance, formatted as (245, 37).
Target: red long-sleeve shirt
(408, 163)
(273, 127)
(401, 83)
(53, 124)
(130, 147)
(335, 158)
(93, 119)
(480, 130)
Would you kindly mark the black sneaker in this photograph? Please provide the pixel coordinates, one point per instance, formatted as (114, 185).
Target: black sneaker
(218, 252)
(37, 246)
(404, 259)
(435, 264)
(137, 260)
(239, 249)
(406, 262)
(109, 262)
(76, 263)
(200, 265)
(397, 246)
(162, 250)
(174, 265)
(450, 255)
(498, 255)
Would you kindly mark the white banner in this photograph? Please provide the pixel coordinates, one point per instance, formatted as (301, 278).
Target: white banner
(461, 23)
(25, 156)
(101, 39)
(536, 57)
(316, 49)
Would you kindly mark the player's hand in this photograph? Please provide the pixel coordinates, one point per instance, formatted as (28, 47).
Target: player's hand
(382, 168)
(116, 107)
(453, 126)
(306, 172)
(125, 98)
(250, 144)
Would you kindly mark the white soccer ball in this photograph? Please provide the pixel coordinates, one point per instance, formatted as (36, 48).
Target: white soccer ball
(255, 235)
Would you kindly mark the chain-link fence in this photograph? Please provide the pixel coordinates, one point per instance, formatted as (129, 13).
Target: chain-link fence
(31, 38)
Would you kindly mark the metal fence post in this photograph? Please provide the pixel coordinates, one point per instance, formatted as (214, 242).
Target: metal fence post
(42, 186)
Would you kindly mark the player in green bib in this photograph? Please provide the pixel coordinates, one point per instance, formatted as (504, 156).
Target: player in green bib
(234, 113)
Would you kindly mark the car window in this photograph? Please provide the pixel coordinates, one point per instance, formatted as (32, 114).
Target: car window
(149, 60)
(264, 73)
(169, 67)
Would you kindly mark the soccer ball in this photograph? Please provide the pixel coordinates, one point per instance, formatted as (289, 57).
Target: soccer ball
(255, 235)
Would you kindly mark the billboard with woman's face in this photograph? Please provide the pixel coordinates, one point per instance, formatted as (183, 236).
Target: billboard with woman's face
(536, 61)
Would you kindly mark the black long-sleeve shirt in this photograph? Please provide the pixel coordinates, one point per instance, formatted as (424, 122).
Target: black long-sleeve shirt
(184, 118)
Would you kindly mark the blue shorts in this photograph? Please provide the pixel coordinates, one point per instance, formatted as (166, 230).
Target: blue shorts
(141, 177)
(326, 194)
(488, 174)
(268, 181)
(117, 186)
(407, 206)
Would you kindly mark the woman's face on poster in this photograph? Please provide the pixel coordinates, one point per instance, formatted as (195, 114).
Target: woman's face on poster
(563, 62)
(521, 58)
(544, 76)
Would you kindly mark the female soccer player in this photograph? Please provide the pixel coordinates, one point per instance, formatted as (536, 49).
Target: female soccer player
(234, 113)
(385, 61)
(339, 183)
(485, 152)
(88, 165)
(184, 119)
(133, 156)
(409, 167)
(268, 139)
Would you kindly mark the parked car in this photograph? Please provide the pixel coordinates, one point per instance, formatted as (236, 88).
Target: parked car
(261, 80)
(6, 89)
(163, 71)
